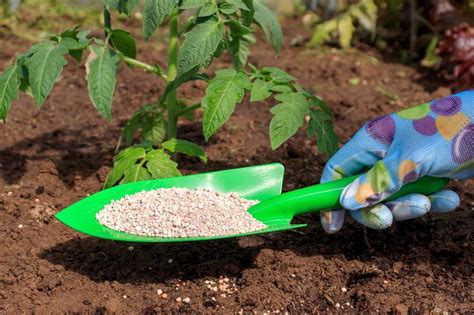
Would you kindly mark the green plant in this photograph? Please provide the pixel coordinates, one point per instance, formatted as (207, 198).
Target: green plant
(215, 27)
(363, 13)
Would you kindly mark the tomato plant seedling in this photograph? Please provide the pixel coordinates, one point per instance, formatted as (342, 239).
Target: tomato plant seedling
(150, 136)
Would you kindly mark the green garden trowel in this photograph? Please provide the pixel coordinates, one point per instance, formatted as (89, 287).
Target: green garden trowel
(262, 183)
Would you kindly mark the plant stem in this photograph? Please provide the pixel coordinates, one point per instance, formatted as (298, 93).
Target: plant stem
(188, 109)
(107, 20)
(173, 46)
(145, 66)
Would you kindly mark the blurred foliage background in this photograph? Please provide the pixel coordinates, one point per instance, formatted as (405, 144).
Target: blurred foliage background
(437, 34)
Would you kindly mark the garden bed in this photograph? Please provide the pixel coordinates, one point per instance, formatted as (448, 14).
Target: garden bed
(56, 156)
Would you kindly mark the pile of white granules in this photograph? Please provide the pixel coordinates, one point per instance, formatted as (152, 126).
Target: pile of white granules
(180, 212)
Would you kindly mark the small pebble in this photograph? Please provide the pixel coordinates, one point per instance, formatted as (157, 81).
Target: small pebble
(344, 290)
(164, 296)
(385, 281)
(170, 261)
(348, 304)
(293, 275)
(178, 299)
(159, 292)
(37, 200)
(187, 300)
(124, 296)
(338, 305)
(9, 193)
(20, 226)
(223, 295)
(130, 248)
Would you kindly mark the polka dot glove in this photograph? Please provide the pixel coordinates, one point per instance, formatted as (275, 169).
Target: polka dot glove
(435, 139)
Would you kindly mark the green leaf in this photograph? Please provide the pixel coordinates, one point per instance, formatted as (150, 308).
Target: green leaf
(320, 126)
(345, 29)
(281, 88)
(322, 33)
(278, 75)
(237, 28)
(153, 128)
(185, 147)
(132, 153)
(74, 46)
(248, 15)
(199, 45)
(160, 165)
(76, 41)
(154, 12)
(363, 19)
(69, 33)
(101, 69)
(135, 173)
(315, 101)
(181, 105)
(240, 50)
(269, 23)
(183, 78)
(289, 117)
(70, 43)
(370, 8)
(9, 88)
(222, 94)
(207, 10)
(227, 8)
(123, 6)
(260, 90)
(239, 4)
(431, 58)
(191, 4)
(151, 124)
(123, 162)
(124, 42)
(130, 128)
(44, 67)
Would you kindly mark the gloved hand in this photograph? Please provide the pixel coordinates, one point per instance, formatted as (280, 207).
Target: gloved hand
(435, 139)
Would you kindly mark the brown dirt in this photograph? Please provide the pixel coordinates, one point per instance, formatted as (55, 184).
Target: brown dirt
(56, 156)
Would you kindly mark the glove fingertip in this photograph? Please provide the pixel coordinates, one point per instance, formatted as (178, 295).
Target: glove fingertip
(444, 201)
(377, 217)
(409, 207)
(332, 221)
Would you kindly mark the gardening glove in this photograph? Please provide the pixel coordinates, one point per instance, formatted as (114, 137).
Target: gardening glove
(435, 139)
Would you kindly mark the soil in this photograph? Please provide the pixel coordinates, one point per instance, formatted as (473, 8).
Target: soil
(51, 158)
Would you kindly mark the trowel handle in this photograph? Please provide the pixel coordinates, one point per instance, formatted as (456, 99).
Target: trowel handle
(326, 196)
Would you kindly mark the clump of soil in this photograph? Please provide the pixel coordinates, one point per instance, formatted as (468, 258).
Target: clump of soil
(180, 212)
